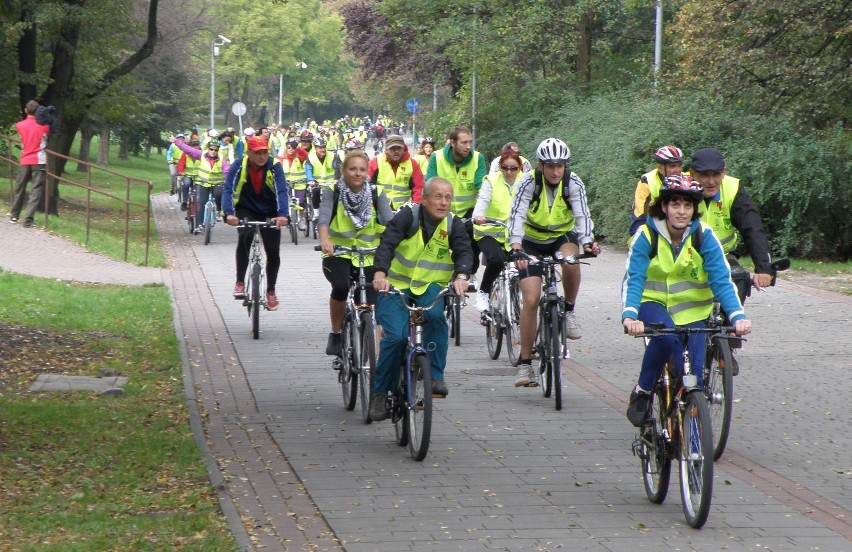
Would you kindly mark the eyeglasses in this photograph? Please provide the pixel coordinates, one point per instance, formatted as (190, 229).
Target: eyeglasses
(509, 169)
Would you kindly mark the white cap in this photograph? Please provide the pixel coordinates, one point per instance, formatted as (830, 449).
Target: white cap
(249, 131)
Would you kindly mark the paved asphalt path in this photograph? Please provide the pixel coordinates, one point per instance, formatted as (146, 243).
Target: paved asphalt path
(505, 471)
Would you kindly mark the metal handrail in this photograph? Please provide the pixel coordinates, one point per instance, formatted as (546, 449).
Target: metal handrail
(53, 179)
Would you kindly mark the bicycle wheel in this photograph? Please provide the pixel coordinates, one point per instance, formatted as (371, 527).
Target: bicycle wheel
(653, 452)
(294, 229)
(309, 218)
(545, 368)
(555, 353)
(190, 211)
(367, 364)
(209, 221)
(696, 464)
(450, 312)
(493, 329)
(457, 300)
(419, 415)
(512, 327)
(348, 376)
(255, 301)
(399, 416)
(719, 390)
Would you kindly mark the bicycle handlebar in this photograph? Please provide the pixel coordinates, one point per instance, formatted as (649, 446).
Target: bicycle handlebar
(344, 249)
(657, 328)
(393, 291)
(569, 259)
(245, 223)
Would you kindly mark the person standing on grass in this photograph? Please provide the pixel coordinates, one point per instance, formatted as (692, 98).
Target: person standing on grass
(33, 164)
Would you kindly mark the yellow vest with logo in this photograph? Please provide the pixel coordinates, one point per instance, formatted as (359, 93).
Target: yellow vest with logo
(341, 231)
(679, 284)
(547, 222)
(498, 208)
(210, 176)
(395, 185)
(422, 161)
(191, 167)
(717, 214)
(416, 264)
(295, 172)
(463, 181)
(323, 171)
(270, 180)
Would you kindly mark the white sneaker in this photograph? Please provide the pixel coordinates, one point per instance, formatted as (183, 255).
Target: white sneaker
(572, 328)
(302, 225)
(482, 301)
(523, 377)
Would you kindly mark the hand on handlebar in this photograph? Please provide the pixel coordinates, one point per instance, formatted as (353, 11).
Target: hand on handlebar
(280, 221)
(232, 220)
(633, 327)
(761, 281)
(519, 257)
(327, 247)
(742, 327)
(460, 286)
(479, 220)
(592, 248)
(380, 283)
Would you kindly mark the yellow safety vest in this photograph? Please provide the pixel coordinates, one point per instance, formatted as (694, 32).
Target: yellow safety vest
(323, 171)
(295, 172)
(499, 207)
(679, 284)
(270, 180)
(422, 161)
(341, 231)
(463, 181)
(717, 214)
(416, 264)
(546, 222)
(191, 167)
(210, 176)
(395, 185)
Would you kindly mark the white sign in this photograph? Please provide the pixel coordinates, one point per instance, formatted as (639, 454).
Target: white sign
(238, 109)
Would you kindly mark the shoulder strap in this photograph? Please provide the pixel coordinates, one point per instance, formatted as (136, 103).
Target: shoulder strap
(415, 220)
(336, 198)
(696, 239)
(655, 241)
(539, 186)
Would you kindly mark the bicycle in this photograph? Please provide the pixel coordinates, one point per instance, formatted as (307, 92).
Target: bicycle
(310, 214)
(410, 405)
(452, 309)
(678, 426)
(718, 367)
(296, 218)
(209, 217)
(504, 312)
(255, 298)
(358, 338)
(551, 341)
(191, 207)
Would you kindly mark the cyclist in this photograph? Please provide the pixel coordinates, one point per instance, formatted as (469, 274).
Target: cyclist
(319, 171)
(211, 173)
(396, 173)
(414, 255)
(293, 160)
(172, 161)
(549, 214)
(427, 146)
(672, 278)
(353, 213)
(188, 167)
(669, 163)
(495, 200)
(256, 189)
(526, 166)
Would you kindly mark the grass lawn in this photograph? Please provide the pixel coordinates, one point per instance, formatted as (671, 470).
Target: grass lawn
(82, 472)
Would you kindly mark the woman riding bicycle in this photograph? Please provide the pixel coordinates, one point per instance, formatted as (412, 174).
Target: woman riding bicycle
(675, 266)
(495, 201)
(352, 214)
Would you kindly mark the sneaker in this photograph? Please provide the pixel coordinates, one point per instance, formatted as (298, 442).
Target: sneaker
(13, 220)
(239, 290)
(302, 226)
(271, 301)
(439, 388)
(640, 405)
(332, 348)
(183, 206)
(198, 229)
(379, 407)
(572, 328)
(523, 377)
(28, 223)
(483, 301)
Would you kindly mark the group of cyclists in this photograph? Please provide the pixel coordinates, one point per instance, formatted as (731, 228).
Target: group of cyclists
(426, 214)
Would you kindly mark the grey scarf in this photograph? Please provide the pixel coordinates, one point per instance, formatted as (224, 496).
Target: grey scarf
(359, 206)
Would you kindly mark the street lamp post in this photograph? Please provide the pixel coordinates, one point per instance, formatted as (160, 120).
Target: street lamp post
(214, 51)
(300, 65)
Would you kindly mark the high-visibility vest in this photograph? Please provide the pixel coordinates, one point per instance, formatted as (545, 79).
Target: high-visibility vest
(270, 180)
(191, 167)
(498, 208)
(416, 264)
(463, 181)
(679, 284)
(547, 221)
(422, 161)
(323, 171)
(395, 185)
(210, 176)
(295, 172)
(341, 231)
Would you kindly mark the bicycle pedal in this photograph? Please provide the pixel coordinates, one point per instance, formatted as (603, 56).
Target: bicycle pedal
(532, 384)
(438, 396)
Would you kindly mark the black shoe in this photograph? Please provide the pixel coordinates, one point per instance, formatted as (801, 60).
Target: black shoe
(332, 348)
(379, 407)
(735, 366)
(183, 206)
(439, 388)
(637, 410)
(28, 223)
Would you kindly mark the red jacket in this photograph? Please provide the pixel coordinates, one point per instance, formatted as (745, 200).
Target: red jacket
(33, 140)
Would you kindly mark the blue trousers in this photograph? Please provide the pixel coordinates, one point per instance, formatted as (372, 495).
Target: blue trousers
(660, 348)
(393, 318)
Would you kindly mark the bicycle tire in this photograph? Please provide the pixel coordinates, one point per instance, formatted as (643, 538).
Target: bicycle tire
(294, 230)
(309, 217)
(367, 364)
(449, 313)
(655, 460)
(347, 376)
(457, 319)
(512, 323)
(493, 329)
(545, 369)
(695, 457)
(719, 390)
(398, 414)
(209, 221)
(190, 211)
(555, 353)
(419, 412)
(255, 301)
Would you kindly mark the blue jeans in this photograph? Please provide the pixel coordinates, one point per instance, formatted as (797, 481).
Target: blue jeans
(660, 348)
(393, 318)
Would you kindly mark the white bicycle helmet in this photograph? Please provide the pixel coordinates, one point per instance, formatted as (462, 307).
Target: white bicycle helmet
(669, 154)
(553, 150)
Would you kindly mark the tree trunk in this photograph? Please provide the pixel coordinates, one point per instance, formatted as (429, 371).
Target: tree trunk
(123, 146)
(296, 108)
(584, 45)
(27, 56)
(103, 148)
(86, 136)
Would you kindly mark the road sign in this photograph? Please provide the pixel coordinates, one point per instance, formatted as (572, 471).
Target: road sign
(413, 105)
(238, 109)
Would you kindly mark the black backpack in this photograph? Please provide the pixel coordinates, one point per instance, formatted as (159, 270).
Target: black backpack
(539, 186)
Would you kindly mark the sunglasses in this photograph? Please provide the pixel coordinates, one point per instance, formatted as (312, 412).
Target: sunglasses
(509, 169)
